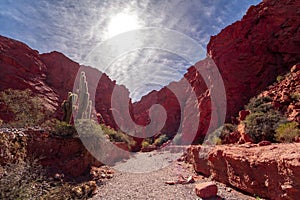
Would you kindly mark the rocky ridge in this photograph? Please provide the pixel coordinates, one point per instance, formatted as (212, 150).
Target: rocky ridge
(249, 55)
(270, 171)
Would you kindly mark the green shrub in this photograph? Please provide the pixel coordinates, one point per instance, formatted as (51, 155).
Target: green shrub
(213, 139)
(279, 78)
(117, 136)
(225, 131)
(85, 127)
(217, 141)
(62, 129)
(27, 110)
(287, 132)
(161, 140)
(295, 96)
(263, 120)
(88, 128)
(220, 134)
(145, 144)
(260, 104)
(261, 126)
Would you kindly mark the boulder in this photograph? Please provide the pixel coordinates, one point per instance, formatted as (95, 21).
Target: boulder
(271, 171)
(206, 190)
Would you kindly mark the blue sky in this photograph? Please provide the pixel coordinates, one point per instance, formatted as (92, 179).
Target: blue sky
(75, 27)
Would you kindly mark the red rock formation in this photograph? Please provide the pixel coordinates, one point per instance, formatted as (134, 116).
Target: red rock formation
(62, 73)
(206, 190)
(243, 114)
(285, 94)
(66, 155)
(51, 76)
(249, 54)
(252, 52)
(21, 68)
(271, 171)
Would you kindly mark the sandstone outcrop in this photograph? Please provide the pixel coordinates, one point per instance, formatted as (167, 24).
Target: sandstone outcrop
(249, 55)
(51, 76)
(66, 155)
(22, 69)
(283, 95)
(271, 171)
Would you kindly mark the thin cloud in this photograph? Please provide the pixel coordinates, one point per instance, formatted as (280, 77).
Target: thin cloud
(77, 27)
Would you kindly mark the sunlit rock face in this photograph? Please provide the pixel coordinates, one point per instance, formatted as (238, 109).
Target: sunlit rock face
(252, 52)
(271, 171)
(50, 76)
(249, 54)
(21, 68)
(63, 74)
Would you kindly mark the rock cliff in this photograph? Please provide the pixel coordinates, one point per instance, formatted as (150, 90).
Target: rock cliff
(249, 55)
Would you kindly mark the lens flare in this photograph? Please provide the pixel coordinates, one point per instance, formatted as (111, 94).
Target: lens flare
(121, 23)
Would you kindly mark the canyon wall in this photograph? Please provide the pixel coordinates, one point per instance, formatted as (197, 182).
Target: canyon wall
(249, 55)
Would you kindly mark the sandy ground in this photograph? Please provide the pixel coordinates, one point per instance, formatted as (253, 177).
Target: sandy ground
(133, 180)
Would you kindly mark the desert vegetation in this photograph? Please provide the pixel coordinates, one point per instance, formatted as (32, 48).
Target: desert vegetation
(263, 123)
(222, 134)
(263, 120)
(266, 120)
(22, 108)
(154, 142)
(27, 179)
(22, 176)
(287, 132)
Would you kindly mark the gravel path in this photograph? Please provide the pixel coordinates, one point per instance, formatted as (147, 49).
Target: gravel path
(152, 186)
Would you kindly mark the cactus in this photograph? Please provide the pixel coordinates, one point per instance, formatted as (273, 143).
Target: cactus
(88, 111)
(68, 106)
(83, 98)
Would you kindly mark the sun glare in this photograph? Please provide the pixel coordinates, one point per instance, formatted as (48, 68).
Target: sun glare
(122, 22)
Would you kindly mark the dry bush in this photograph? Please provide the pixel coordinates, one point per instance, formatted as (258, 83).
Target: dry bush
(28, 180)
(287, 132)
(161, 140)
(117, 136)
(27, 110)
(12, 148)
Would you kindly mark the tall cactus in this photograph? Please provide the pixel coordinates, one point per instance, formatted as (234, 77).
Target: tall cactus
(88, 111)
(68, 106)
(82, 100)
(84, 103)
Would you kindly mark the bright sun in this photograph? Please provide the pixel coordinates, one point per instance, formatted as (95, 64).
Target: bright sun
(122, 22)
